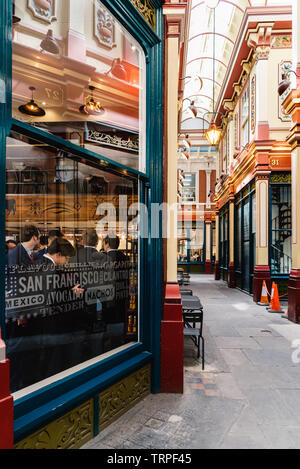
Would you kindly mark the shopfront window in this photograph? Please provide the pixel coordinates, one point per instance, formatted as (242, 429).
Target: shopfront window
(191, 243)
(224, 244)
(245, 118)
(281, 244)
(72, 282)
(85, 74)
(213, 244)
(238, 232)
(189, 188)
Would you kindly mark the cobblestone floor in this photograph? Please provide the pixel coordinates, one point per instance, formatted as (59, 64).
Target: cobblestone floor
(247, 397)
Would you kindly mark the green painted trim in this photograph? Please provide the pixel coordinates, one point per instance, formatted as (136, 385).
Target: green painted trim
(5, 123)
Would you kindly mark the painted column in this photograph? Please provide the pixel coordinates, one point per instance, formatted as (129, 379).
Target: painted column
(217, 260)
(292, 107)
(76, 42)
(172, 321)
(207, 243)
(231, 272)
(262, 269)
(208, 188)
(262, 52)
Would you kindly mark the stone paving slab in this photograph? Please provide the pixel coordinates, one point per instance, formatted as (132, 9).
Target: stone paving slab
(247, 397)
(240, 343)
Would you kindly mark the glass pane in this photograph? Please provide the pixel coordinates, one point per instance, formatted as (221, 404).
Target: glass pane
(88, 76)
(238, 243)
(213, 227)
(281, 252)
(254, 228)
(197, 243)
(189, 188)
(72, 283)
(246, 221)
(281, 207)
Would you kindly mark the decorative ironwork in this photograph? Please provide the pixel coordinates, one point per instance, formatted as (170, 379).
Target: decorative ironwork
(104, 26)
(103, 135)
(281, 178)
(43, 9)
(284, 70)
(71, 431)
(123, 395)
(146, 9)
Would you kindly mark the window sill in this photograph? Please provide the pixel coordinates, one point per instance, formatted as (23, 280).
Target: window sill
(41, 407)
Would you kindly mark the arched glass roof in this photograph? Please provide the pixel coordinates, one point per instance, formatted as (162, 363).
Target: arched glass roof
(199, 57)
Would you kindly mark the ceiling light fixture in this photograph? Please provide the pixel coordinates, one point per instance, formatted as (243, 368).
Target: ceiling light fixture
(15, 18)
(92, 107)
(213, 134)
(31, 108)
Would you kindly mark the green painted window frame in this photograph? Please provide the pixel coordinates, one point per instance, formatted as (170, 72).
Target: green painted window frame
(37, 409)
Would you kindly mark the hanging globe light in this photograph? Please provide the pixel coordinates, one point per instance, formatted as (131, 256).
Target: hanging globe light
(92, 107)
(31, 108)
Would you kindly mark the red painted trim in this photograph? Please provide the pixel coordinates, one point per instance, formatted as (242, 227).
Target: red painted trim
(294, 296)
(171, 358)
(261, 273)
(208, 32)
(231, 275)
(6, 408)
(208, 267)
(217, 270)
(207, 58)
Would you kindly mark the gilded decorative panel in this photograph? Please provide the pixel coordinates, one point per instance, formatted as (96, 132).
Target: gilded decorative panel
(281, 178)
(281, 41)
(146, 9)
(123, 395)
(71, 431)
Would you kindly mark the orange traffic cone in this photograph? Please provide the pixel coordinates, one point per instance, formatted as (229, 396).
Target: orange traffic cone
(264, 295)
(286, 315)
(275, 304)
(272, 295)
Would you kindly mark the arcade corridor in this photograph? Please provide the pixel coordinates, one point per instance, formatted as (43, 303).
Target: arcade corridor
(247, 397)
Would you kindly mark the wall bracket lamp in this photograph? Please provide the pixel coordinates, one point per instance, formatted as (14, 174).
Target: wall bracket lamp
(285, 83)
(195, 78)
(191, 107)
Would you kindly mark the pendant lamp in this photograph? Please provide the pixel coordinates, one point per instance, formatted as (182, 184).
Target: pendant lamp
(31, 108)
(92, 107)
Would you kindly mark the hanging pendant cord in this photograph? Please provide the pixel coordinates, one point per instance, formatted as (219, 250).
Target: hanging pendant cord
(214, 51)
